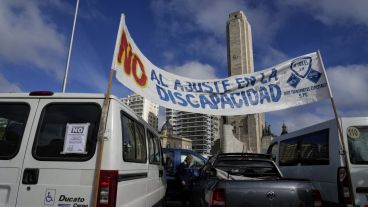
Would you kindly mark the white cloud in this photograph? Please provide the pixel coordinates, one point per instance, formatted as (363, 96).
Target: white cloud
(206, 15)
(333, 11)
(209, 47)
(269, 57)
(193, 69)
(28, 37)
(7, 87)
(88, 70)
(209, 17)
(300, 117)
(168, 56)
(349, 86)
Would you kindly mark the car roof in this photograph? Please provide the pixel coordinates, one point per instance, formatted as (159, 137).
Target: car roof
(242, 156)
(184, 150)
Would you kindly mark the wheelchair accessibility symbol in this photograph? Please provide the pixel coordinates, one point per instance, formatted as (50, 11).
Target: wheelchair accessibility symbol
(50, 197)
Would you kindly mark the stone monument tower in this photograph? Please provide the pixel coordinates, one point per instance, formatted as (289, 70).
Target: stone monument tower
(247, 128)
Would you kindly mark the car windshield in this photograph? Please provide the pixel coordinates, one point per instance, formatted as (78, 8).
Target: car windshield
(358, 144)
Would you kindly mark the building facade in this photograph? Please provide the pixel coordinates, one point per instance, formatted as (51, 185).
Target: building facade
(202, 129)
(169, 140)
(143, 108)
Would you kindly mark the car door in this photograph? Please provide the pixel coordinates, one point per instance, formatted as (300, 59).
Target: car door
(170, 165)
(16, 118)
(59, 166)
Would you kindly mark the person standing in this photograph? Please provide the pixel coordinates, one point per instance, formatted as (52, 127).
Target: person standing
(183, 178)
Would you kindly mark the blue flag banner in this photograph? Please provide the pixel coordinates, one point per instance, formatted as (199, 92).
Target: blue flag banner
(298, 81)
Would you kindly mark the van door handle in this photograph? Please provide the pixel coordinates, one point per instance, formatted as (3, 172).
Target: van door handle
(30, 176)
(160, 173)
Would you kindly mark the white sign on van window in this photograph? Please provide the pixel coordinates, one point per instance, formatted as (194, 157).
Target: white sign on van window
(75, 138)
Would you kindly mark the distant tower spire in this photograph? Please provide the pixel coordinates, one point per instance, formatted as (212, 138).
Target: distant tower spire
(284, 128)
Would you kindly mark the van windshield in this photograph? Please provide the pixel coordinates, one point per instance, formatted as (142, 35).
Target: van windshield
(358, 144)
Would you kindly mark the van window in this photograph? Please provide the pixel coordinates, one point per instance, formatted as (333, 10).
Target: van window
(272, 150)
(154, 148)
(289, 152)
(13, 118)
(134, 140)
(314, 148)
(50, 135)
(308, 149)
(358, 144)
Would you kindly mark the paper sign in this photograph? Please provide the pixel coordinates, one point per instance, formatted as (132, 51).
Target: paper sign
(75, 138)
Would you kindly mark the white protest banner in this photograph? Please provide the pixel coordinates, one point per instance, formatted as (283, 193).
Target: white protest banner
(75, 138)
(295, 82)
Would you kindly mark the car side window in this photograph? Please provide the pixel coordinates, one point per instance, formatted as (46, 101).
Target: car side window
(134, 140)
(196, 162)
(169, 162)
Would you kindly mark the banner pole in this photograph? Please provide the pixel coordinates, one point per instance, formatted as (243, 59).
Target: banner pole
(341, 135)
(101, 138)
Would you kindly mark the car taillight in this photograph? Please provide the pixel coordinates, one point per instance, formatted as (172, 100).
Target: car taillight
(343, 180)
(218, 198)
(107, 189)
(317, 199)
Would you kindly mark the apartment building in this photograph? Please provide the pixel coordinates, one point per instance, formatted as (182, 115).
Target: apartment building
(144, 108)
(202, 129)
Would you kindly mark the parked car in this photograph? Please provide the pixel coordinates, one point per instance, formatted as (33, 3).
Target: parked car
(238, 180)
(48, 152)
(172, 159)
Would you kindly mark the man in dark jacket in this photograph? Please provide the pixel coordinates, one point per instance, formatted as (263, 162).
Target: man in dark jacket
(183, 178)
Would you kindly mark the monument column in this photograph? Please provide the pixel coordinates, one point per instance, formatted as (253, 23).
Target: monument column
(247, 128)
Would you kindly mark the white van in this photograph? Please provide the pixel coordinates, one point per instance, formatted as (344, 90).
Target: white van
(48, 153)
(314, 153)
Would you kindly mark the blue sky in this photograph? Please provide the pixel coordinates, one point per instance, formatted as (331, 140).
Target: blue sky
(185, 37)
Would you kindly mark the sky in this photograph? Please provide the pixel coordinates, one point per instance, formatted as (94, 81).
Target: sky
(188, 38)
